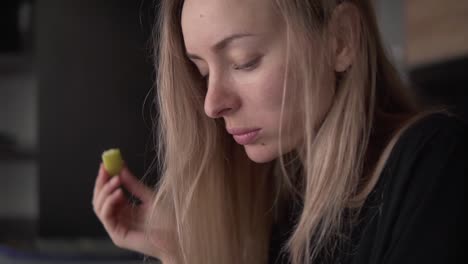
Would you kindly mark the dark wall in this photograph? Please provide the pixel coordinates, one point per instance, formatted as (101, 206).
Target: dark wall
(94, 71)
(8, 26)
(444, 83)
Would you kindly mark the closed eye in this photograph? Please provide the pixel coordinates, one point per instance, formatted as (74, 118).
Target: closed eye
(249, 65)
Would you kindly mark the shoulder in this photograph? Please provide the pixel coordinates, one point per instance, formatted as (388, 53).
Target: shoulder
(427, 146)
(435, 125)
(430, 154)
(419, 200)
(433, 136)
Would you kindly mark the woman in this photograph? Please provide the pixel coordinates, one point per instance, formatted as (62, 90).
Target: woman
(286, 136)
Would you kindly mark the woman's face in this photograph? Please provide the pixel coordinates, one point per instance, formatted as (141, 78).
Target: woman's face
(240, 46)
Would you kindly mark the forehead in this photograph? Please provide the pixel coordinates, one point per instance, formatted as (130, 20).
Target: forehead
(208, 19)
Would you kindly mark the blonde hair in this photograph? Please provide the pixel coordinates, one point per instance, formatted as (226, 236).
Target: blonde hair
(218, 205)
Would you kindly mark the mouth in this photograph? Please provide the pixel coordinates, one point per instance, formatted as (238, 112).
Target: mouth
(244, 136)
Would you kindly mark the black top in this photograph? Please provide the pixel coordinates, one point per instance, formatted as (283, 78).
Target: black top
(415, 212)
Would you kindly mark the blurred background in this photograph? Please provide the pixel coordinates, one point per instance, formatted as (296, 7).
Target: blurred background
(74, 76)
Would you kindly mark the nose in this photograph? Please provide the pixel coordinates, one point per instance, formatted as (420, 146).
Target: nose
(221, 99)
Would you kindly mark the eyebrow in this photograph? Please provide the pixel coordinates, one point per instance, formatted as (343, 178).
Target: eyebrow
(222, 44)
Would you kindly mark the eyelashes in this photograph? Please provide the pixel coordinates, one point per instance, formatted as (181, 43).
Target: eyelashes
(249, 66)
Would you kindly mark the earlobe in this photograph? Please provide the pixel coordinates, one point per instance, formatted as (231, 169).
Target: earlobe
(343, 59)
(346, 34)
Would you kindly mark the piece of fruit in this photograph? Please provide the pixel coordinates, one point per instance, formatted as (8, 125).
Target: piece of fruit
(113, 161)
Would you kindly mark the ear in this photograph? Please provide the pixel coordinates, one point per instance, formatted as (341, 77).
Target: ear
(345, 32)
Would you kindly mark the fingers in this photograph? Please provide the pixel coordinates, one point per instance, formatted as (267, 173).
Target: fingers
(135, 186)
(102, 195)
(110, 218)
(111, 204)
(102, 178)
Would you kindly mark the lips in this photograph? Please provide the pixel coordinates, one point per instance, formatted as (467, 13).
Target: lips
(244, 136)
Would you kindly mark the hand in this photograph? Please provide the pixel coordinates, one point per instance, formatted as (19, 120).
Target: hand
(124, 221)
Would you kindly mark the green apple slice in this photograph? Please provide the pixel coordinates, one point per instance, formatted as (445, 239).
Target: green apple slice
(113, 161)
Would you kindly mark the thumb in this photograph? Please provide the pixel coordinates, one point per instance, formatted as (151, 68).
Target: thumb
(135, 186)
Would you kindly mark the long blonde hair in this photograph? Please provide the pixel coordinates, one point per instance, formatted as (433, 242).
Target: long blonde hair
(219, 205)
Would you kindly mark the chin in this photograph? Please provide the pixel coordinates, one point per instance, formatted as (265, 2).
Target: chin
(261, 154)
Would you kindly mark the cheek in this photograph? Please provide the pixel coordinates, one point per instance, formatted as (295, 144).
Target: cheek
(272, 99)
(267, 91)
(265, 103)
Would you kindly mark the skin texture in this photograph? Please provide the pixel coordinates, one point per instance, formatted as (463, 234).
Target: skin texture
(244, 78)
